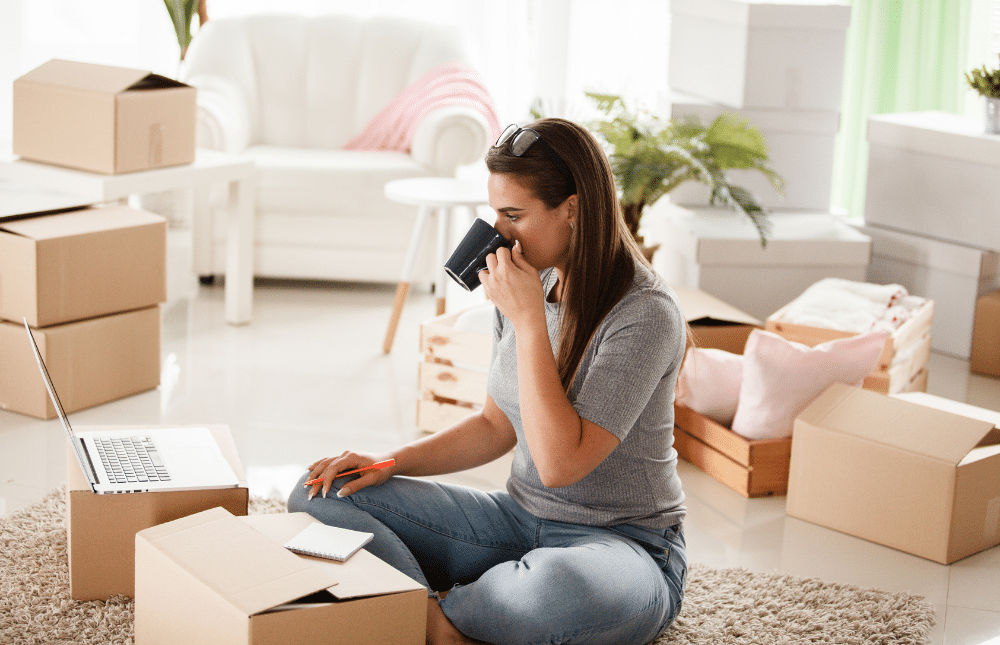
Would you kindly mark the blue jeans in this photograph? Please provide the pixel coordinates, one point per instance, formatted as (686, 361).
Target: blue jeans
(515, 578)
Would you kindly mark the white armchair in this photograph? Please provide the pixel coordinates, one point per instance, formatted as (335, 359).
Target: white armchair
(290, 92)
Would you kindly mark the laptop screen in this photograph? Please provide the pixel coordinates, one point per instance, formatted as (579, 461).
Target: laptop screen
(80, 457)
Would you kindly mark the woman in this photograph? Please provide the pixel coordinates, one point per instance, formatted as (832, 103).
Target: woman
(586, 543)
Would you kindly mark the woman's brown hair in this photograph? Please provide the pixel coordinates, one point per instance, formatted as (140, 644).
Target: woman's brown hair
(602, 251)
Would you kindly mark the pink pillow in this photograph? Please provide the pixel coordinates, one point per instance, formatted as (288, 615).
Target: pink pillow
(709, 383)
(781, 377)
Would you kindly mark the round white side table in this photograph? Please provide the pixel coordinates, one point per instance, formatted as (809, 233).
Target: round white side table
(443, 194)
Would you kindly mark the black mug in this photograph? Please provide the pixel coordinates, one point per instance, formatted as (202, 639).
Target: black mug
(469, 257)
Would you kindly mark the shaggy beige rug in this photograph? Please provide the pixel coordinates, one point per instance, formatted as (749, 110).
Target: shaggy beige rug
(722, 606)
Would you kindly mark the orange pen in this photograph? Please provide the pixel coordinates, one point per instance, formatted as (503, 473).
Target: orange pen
(377, 464)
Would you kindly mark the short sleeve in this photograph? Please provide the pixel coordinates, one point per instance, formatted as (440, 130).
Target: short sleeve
(638, 345)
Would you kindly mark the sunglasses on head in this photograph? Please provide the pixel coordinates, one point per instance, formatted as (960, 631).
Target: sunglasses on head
(519, 140)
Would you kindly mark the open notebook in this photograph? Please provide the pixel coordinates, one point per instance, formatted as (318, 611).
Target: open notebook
(330, 542)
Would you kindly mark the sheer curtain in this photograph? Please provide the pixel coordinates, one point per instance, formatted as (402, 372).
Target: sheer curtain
(903, 56)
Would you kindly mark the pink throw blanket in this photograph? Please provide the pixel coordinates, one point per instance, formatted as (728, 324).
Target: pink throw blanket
(448, 84)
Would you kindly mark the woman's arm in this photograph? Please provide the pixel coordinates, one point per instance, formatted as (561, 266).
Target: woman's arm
(564, 447)
(475, 440)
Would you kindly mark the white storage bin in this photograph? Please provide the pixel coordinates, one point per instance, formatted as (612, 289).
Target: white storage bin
(934, 173)
(748, 53)
(800, 147)
(952, 275)
(719, 251)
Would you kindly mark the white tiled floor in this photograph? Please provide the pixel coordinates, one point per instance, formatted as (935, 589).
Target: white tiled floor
(308, 378)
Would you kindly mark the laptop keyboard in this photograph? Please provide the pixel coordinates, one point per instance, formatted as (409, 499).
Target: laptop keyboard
(131, 460)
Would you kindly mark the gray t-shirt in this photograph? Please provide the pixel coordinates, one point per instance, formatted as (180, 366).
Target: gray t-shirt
(625, 384)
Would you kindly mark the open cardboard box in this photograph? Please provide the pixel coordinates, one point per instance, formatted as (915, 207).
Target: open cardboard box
(212, 577)
(101, 529)
(103, 119)
(715, 323)
(81, 264)
(913, 471)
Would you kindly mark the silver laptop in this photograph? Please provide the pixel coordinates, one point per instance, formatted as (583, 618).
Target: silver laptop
(138, 461)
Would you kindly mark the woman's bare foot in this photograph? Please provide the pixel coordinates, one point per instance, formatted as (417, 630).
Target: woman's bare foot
(440, 631)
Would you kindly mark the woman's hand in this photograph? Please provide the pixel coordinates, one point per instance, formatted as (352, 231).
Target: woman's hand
(513, 285)
(329, 467)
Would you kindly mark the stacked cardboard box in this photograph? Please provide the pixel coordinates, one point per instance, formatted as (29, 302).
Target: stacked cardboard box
(936, 237)
(89, 281)
(777, 64)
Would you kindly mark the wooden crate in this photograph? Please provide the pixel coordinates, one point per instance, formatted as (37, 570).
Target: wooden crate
(752, 468)
(913, 337)
(451, 377)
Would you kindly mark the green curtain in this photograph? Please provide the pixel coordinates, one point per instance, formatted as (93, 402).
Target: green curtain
(902, 56)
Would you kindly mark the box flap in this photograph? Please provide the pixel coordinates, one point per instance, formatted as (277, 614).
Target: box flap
(703, 308)
(892, 421)
(362, 575)
(86, 76)
(80, 222)
(216, 547)
(956, 407)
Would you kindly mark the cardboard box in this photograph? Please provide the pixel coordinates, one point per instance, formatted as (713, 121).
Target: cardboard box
(985, 355)
(752, 468)
(934, 174)
(81, 264)
(714, 323)
(719, 251)
(103, 119)
(747, 53)
(906, 352)
(898, 473)
(953, 275)
(91, 362)
(101, 529)
(212, 577)
(451, 376)
(800, 148)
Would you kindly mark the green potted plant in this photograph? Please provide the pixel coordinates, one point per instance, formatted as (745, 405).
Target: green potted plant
(651, 155)
(182, 14)
(987, 83)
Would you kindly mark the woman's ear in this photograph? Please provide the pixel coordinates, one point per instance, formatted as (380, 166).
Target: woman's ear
(571, 209)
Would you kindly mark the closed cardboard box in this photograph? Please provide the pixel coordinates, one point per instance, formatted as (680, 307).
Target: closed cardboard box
(101, 528)
(81, 264)
(912, 471)
(91, 362)
(103, 119)
(719, 251)
(912, 156)
(749, 53)
(953, 275)
(213, 577)
(985, 358)
(800, 145)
